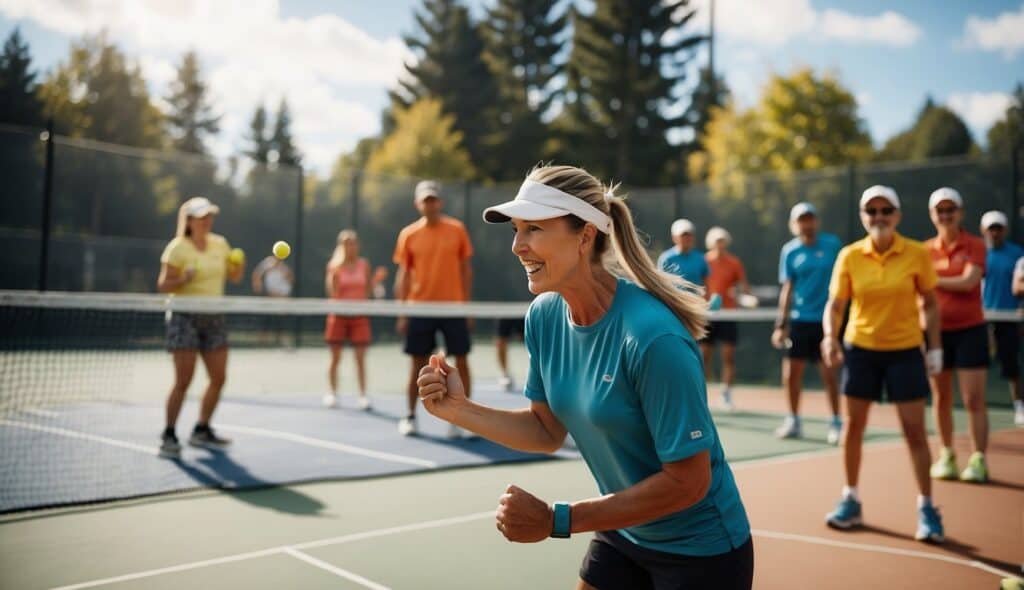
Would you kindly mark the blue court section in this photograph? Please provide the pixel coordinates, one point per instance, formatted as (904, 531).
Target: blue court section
(101, 451)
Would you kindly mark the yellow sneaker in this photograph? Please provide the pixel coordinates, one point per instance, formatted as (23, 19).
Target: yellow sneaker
(976, 470)
(945, 467)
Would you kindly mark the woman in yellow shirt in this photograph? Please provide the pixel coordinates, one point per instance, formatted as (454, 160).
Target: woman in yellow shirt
(196, 262)
(889, 282)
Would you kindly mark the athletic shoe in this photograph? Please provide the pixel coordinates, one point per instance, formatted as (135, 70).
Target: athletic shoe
(170, 448)
(203, 436)
(364, 403)
(725, 402)
(407, 426)
(790, 428)
(846, 515)
(1012, 583)
(945, 467)
(330, 400)
(835, 431)
(976, 470)
(1018, 413)
(505, 382)
(929, 525)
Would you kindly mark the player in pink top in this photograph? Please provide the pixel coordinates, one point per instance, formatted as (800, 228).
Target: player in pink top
(348, 277)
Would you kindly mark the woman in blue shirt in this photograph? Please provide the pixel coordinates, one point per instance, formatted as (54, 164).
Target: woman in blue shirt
(614, 362)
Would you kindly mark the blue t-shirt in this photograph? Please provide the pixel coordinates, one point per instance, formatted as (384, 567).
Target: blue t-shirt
(689, 265)
(630, 389)
(810, 270)
(996, 291)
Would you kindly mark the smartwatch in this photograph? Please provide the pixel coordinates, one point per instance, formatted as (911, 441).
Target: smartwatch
(562, 525)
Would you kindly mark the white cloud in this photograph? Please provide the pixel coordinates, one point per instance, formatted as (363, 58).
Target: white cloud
(250, 54)
(980, 110)
(889, 28)
(1004, 33)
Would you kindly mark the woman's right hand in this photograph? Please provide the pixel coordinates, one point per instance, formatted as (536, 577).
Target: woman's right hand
(780, 336)
(831, 352)
(440, 387)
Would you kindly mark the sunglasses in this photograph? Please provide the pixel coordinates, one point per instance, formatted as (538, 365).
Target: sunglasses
(886, 211)
(946, 210)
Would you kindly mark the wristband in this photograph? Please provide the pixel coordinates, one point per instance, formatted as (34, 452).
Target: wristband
(562, 523)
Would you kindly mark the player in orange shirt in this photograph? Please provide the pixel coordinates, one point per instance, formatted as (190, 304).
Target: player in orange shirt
(959, 260)
(727, 276)
(433, 257)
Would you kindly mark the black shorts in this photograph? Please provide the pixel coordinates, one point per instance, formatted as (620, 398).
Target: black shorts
(509, 327)
(966, 348)
(901, 372)
(613, 562)
(1007, 339)
(806, 338)
(195, 331)
(722, 331)
(421, 336)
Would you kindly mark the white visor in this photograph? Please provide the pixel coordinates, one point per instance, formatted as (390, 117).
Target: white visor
(536, 201)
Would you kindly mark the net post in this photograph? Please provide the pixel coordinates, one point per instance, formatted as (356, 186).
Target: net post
(44, 241)
(299, 213)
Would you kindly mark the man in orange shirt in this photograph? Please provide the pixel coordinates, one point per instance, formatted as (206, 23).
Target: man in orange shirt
(433, 258)
(727, 276)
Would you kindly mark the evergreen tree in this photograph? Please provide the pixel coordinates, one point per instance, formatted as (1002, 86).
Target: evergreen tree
(1009, 132)
(451, 67)
(191, 117)
(281, 139)
(705, 97)
(259, 144)
(18, 102)
(937, 131)
(626, 66)
(523, 39)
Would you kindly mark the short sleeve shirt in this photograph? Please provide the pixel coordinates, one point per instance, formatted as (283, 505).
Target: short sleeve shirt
(689, 265)
(883, 289)
(726, 272)
(351, 280)
(630, 389)
(432, 257)
(210, 264)
(808, 267)
(997, 288)
(958, 309)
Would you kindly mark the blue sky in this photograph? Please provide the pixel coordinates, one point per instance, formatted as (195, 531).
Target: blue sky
(340, 57)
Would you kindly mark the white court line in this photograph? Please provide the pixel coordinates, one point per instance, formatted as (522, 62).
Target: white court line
(41, 412)
(881, 549)
(327, 444)
(335, 570)
(82, 435)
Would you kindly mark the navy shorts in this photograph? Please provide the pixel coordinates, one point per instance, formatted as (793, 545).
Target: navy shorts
(510, 327)
(421, 336)
(966, 348)
(613, 562)
(901, 372)
(196, 331)
(722, 331)
(806, 338)
(1007, 339)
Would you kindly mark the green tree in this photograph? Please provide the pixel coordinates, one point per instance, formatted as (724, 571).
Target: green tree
(258, 148)
(1008, 132)
(424, 144)
(191, 116)
(18, 101)
(626, 67)
(450, 67)
(281, 139)
(523, 39)
(937, 131)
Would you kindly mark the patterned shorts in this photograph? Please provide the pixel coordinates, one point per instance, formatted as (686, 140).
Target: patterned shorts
(190, 331)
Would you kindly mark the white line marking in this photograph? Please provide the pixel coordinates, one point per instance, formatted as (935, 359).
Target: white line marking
(405, 528)
(880, 549)
(82, 435)
(41, 412)
(335, 570)
(327, 444)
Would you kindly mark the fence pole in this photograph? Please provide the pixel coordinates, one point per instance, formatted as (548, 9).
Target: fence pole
(1015, 193)
(44, 245)
(851, 202)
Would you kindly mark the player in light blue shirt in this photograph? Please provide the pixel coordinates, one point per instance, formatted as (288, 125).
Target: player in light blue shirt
(682, 258)
(616, 364)
(997, 295)
(805, 268)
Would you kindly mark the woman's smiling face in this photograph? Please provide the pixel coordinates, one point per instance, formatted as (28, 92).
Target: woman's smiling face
(550, 252)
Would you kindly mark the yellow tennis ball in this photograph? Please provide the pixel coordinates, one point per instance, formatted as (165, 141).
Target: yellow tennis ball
(282, 249)
(237, 256)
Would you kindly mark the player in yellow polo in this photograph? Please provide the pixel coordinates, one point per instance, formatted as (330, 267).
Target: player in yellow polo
(889, 282)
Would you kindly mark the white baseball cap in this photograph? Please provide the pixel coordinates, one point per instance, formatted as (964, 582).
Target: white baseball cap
(714, 234)
(991, 218)
(945, 194)
(200, 207)
(537, 201)
(880, 190)
(801, 209)
(683, 226)
(427, 188)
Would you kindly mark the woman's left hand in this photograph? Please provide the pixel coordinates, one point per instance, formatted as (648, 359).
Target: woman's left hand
(523, 517)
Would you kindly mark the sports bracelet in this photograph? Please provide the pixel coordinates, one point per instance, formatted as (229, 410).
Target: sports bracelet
(561, 526)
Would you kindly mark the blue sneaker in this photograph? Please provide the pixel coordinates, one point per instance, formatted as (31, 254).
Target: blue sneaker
(846, 515)
(929, 525)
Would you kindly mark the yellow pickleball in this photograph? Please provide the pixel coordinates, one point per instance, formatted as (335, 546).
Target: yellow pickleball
(237, 256)
(282, 249)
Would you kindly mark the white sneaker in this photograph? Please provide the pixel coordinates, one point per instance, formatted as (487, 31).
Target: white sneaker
(835, 431)
(454, 432)
(505, 382)
(330, 400)
(1018, 413)
(407, 426)
(725, 402)
(364, 403)
(790, 428)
